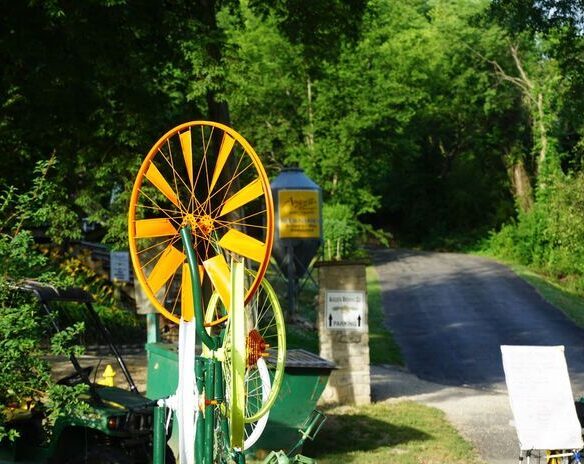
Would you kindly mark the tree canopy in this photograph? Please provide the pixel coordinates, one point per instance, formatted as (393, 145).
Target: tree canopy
(432, 119)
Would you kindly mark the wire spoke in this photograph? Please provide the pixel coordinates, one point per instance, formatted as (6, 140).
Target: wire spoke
(155, 245)
(156, 204)
(175, 174)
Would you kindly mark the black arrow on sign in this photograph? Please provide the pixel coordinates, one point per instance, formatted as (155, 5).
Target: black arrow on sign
(330, 320)
(359, 321)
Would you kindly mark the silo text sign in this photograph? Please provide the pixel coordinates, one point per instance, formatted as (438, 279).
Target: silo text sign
(298, 214)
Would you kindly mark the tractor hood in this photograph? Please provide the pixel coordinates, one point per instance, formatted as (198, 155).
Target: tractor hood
(122, 399)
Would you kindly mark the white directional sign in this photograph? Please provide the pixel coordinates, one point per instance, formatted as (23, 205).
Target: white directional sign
(345, 310)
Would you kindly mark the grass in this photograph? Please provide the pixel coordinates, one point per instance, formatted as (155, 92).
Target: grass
(568, 302)
(298, 337)
(382, 347)
(399, 433)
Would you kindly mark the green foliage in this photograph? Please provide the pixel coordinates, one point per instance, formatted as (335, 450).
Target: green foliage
(64, 343)
(549, 238)
(38, 207)
(24, 373)
(340, 231)
(266, 87)
(64, 401)
(382, 347)
(25, 376)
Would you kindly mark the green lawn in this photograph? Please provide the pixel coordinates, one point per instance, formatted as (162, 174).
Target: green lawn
(398, 433)
(565, 300)
(382, 347)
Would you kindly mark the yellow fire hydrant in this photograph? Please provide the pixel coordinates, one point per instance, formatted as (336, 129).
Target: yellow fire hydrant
(107, 378)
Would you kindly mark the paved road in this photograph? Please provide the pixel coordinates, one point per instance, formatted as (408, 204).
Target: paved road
(450, 313)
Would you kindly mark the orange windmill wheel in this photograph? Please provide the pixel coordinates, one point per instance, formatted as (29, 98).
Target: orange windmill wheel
(206, 176)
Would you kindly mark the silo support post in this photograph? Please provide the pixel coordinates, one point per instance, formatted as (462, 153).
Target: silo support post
(291, 282)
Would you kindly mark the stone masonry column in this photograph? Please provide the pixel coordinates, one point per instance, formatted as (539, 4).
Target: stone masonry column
(344, 331)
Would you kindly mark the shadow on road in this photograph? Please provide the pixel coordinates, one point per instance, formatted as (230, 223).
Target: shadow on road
(451, 312)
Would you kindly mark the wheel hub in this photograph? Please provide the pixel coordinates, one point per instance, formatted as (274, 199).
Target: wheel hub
(189, 220)
(256, 347)
(206, 224)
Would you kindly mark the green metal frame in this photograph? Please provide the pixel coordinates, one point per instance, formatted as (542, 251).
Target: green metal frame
(209, 377)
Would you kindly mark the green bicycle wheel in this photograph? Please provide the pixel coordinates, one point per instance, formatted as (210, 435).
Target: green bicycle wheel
(265, 338)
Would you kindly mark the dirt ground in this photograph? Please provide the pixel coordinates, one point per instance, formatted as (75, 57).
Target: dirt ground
(136, 363)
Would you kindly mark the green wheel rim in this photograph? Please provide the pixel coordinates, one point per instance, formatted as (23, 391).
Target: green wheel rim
(264, 314)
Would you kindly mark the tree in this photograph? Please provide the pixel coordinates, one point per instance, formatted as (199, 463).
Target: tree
(411, 117)
(265, 78)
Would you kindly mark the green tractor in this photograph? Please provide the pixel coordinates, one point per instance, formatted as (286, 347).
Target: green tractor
(119, 428)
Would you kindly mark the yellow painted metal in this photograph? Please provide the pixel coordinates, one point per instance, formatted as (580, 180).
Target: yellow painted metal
(248, 193)
(154, 222)
(164, 269)
(187, 150)
(218, 271)
(158, 180)
(226, 147)
(158, 227)
(187, 309)
(243, 245)
(238, 338)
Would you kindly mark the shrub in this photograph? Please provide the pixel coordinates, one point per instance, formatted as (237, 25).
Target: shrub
(24, 373)
(550, 237)
(340, 231)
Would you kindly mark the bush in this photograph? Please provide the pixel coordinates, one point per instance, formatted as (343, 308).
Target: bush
(549, 238)
(343, 233)
(340, 230)
(24, 374)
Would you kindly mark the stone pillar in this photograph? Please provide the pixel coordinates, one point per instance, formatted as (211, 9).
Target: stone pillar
(344, 331)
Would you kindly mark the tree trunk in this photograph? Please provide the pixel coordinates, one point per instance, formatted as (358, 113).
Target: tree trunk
(521, 185)
(535, 101)
(542, 132)
(310, 134)
(217, 110)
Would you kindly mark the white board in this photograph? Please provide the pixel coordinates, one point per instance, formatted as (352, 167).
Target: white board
(541, 397)
(345, 310)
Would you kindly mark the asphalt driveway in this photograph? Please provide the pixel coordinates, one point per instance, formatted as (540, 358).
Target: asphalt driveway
(450, 313)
